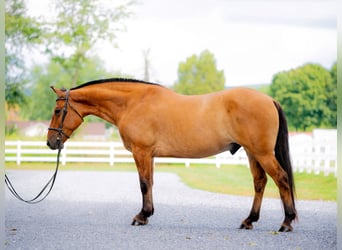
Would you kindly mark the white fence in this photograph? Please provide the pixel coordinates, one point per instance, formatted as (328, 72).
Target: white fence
(307, 155)
(100, 152)
(315, 153)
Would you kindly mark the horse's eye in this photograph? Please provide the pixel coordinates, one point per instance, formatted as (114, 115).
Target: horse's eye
(57, 111)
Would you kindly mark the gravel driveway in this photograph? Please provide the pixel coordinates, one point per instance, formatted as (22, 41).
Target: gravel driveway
(93, 210)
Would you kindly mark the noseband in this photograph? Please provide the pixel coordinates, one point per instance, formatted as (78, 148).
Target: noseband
(65, 111)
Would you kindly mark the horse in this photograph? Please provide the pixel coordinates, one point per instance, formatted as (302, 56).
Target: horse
(154, 121)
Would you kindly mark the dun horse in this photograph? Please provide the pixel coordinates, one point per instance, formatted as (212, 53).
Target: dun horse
(154, 121)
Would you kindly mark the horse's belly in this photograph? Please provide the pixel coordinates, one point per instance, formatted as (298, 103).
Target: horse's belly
(195, 136)
(191, 152)
(193, 147)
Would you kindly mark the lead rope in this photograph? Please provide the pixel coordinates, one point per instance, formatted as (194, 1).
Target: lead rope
(38, 198)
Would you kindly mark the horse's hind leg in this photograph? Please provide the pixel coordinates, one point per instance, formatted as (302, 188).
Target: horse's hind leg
(145, 168)
(260, 180)
(272, 167)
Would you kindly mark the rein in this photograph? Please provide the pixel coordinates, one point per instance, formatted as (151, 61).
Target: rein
(38, 197)
(49, 185)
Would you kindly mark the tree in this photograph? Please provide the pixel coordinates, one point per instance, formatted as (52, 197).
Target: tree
(331, 100)
(305, 94)
(41, 100)
(21, 32)
(79, 26)
(69, 39)
(199, 75)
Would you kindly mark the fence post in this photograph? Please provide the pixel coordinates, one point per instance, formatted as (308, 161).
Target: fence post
(18, 152)
(318, 159)
(218, 161)
(111, 153)
(327, 166)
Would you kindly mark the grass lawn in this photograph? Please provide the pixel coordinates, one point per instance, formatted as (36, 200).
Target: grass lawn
(229, 179)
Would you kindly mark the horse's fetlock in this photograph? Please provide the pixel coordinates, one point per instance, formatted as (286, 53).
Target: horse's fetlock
(253, 217)
(147, 212)
(291, 216)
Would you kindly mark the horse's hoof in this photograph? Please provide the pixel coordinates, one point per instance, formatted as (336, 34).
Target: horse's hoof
(139, 222)
(244, 225)
(285, 228)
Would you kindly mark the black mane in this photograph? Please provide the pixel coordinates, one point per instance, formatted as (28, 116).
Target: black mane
(100, 81)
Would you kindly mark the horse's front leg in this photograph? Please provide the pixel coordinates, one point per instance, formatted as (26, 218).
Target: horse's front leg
(144, 163)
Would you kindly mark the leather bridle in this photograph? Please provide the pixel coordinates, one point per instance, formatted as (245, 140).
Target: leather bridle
(49, 185)
(60, 131)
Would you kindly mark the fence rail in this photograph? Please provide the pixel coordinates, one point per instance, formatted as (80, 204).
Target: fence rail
(307, 157)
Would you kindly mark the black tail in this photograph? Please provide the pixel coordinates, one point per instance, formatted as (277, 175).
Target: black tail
(282, 151)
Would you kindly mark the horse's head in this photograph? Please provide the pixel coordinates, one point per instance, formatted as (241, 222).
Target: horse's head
(65, 119)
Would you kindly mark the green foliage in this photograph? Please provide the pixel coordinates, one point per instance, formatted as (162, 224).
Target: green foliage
(41, 101)
(78, 27)
(199, 75)
(68, 39)
(331, 100)
(307, 95)
(21, 32)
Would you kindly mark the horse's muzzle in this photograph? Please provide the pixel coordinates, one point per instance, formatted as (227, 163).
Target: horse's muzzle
(56, 144)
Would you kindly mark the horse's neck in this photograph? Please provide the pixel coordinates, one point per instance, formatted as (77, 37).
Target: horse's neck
(106, 103)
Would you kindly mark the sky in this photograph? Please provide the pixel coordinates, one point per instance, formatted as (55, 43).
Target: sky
(251, 40)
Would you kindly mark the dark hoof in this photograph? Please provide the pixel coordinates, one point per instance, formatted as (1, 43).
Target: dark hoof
(244, 225)
(285, 228)
(137, 221)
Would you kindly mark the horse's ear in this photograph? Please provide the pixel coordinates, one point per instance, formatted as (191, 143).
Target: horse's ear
(53, 88)
(59, 92)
